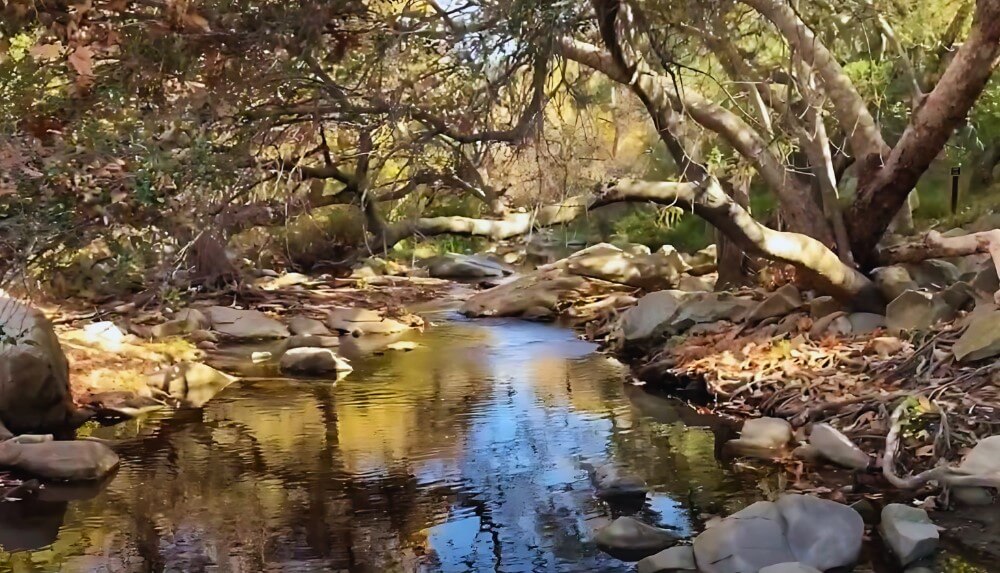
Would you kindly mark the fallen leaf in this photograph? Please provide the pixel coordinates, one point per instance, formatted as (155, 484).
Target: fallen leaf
(46, 51)
(82, 61)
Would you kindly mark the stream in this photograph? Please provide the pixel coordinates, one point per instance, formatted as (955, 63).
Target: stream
(469, 453)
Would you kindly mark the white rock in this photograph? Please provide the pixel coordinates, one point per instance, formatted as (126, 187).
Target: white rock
(313, 361)
(908, 532)
(767, 432)
(671, 560)
(821, 533)
(837, 448)
(790, 568)
(984, 458)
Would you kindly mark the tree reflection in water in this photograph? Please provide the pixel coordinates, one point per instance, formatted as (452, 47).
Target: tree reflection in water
(466, 454)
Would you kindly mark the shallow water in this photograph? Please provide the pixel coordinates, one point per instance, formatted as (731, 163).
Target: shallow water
(466, 454)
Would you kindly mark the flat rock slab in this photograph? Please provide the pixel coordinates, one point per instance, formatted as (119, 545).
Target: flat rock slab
(361, 321)
(747, 540)
(629, 539)
(982, 338)
(909, 532)
(301, 325)
(795, 567)
(82, 460)
(245, 324)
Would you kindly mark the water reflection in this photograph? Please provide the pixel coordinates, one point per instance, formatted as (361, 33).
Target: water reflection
(466, 454)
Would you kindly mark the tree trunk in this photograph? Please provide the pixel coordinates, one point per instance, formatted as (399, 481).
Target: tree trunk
(733, 263)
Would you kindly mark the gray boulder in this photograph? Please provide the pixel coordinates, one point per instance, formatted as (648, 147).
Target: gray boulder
(747, 540)
(865, 322)
(909, 532)
(894, 281)
(361, 321)
(779, 303)
(463, 267)
(648, 271)
(245, 324)
(82, 460)
(629, 539)
(824, 306)
(821, 533)
(672, 311)
(305, 326)
(972, 496)
(790, 568)
(673, 560)
(34, 374)
(762, 437)
(312, 341)
(981, 339)
(933, 273)
(613, 483)
(189, 384)
(916, 310)
(837, 447)
(835, 324)
(313, 361)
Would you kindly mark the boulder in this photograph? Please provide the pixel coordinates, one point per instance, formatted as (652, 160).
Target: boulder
(972, 496)
(865, 322)
(122, 404)
(703, 261)
(672, 311)
(747, 540)
(203, 336)
(34, 374)
(837, 448)
(629, 539)
(245, 324)
(609, 263)
(824, 306)
(672, 560)
(301, 325)
(82, 460)
(909, 532)
(981, 339)
(463, 267)
(688, 283)
(612, 483)
(541, 294)
(821, 533)
(807, 453)
(781, 302)
(916, 310)
(768, 433)
(866, 510)
(190, 384)
(835, 324)
(360, 321)
(795, 567)
(104, 335)
(884, 346)
(894, 281)
(184, 322)
(933, 274)
(313, 362)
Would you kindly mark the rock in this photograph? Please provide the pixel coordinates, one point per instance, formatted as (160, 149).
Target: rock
(915, 310)
(360, 321)
(607, 262)
(933, 273)
(207, 345)
(190, 384)
(122, 404)
(795, 567)
(104, 335)
(463, 267)
(672, 560)
(245, 324)
(640, 249)
(203, 336)
(837, 448)
(34, 374)
(258, 357)
(704, 258)
(672, 311)
(313, 361)
(909, 532)
(184, 322)
(301, 325)
(402, 345)
(745, 541)
(894, 281)
(612, 483)
(865, 322)
(824, 306)
(984, 458)
(807, 453)
(981, 339)
(60, 461)
(972, 496)
(781, 302)
(312, 341)
(629, 539)
(539, 294)
(688, 283)
(771, 433)
(821, 533)
(836, 324)
(284, 281)
(884, 346)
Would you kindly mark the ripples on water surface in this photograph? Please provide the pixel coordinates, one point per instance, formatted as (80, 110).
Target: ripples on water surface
(467, 454)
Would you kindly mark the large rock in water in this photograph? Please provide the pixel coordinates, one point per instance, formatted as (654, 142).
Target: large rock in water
(629, 539)
(672, 311)
(313, 362)
(538, 295)
(909, 532)
(34, 373)
(361, 321)
(762, 437)
(190, 384)
(650, 271)
(245, 324)
(821, 533)
(455, 266)
(61, 461)
(673, 560)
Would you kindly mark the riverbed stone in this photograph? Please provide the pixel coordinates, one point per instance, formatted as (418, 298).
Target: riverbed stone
(981, 339)
(865, 322)
(606, 262)
(821, 533)
(909, 532)
(772, 433)
(629, 539)
(305, 326)
(463, 267)
(313, 361)
(189, 384)
(972, 496)
(672, 311)
(81, 460)
(614, 483)
(312, 341)
(747, 540)
(838, 448)
(688, 283)
(794, 567)
(893, 281)
(933, 273)
(34, 374)
(834, 324)
(245, 324)
(984, 457)
(779, 303)
(362, 321)
(823, 306)
(672, 560)
(917, 310)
